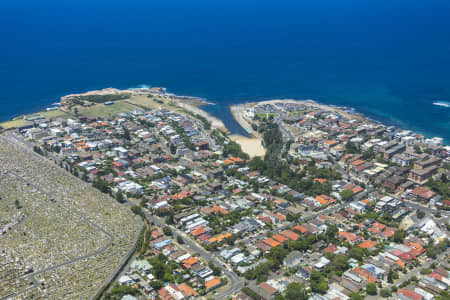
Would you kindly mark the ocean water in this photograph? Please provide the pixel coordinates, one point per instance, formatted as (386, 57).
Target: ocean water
(388, 59)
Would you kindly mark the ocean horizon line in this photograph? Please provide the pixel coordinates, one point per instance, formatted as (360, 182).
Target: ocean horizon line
(207, 102)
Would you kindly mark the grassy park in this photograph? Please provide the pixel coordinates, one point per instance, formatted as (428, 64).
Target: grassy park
(104, 111)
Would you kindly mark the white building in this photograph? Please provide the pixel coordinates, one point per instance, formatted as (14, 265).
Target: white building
(121, 152)
(130, 187)
(436, 142)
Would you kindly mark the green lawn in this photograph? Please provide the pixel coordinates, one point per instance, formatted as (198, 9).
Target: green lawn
(101, 110)
(15, 123)
(98, 110)
(264, 116)
(20, 121)
(144, 101)
(55, 114)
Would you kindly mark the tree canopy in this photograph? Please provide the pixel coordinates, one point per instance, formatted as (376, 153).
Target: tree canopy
(296, 291)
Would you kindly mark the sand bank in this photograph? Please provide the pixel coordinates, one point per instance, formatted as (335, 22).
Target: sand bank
(251, 146)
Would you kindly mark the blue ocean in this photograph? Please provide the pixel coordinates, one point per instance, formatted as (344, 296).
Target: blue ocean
(388, 59)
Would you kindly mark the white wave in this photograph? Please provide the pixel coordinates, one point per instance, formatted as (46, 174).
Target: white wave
(442, 103)
(141, 86)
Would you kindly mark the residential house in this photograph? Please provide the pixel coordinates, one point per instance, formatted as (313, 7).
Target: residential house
(292, 259)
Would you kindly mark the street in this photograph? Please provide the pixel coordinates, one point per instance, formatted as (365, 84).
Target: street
(235, 282)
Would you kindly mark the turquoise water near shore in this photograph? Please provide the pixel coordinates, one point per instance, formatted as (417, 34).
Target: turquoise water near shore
(388, 59)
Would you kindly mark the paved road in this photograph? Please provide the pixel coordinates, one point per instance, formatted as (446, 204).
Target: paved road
(235, 282)
(288, 225)
(442, 221)
(286, 134)
(416, 271)
(426, 209)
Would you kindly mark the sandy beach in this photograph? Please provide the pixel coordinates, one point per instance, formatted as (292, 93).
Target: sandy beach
(251, 146)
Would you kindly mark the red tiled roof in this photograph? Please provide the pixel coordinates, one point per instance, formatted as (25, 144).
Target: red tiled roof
(290, 235)
(268, 288)
(423, 192)
(187, 290)
(212, 283)
(367, 244)
(300, 228)
(271, 242)
(279, 238)
(330, 249)
(357, 162)
(411, 294)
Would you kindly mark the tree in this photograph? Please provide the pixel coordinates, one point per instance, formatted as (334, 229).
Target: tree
(433, 250)
(443, 295)
(296, 291)
(340, 262)
(356, 296)
(167, 230)
(346, 195)
(371, 289)
(101, 185)
(332, 231)
(399, 236)
(390, 276)
(170, 220)
(156, 284)
(173, 149)
(126, 134)
(351, 148)
(180, 240)
(385, 292)
(85, 177)
(420, 214)
(231, 239)
(118, 291)
(158, 270)
(417, 149)
(356, 253)
(216, 270)
(137, 210)
(119, 197)
(318, 283)
(234, 149)
(426, 271)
